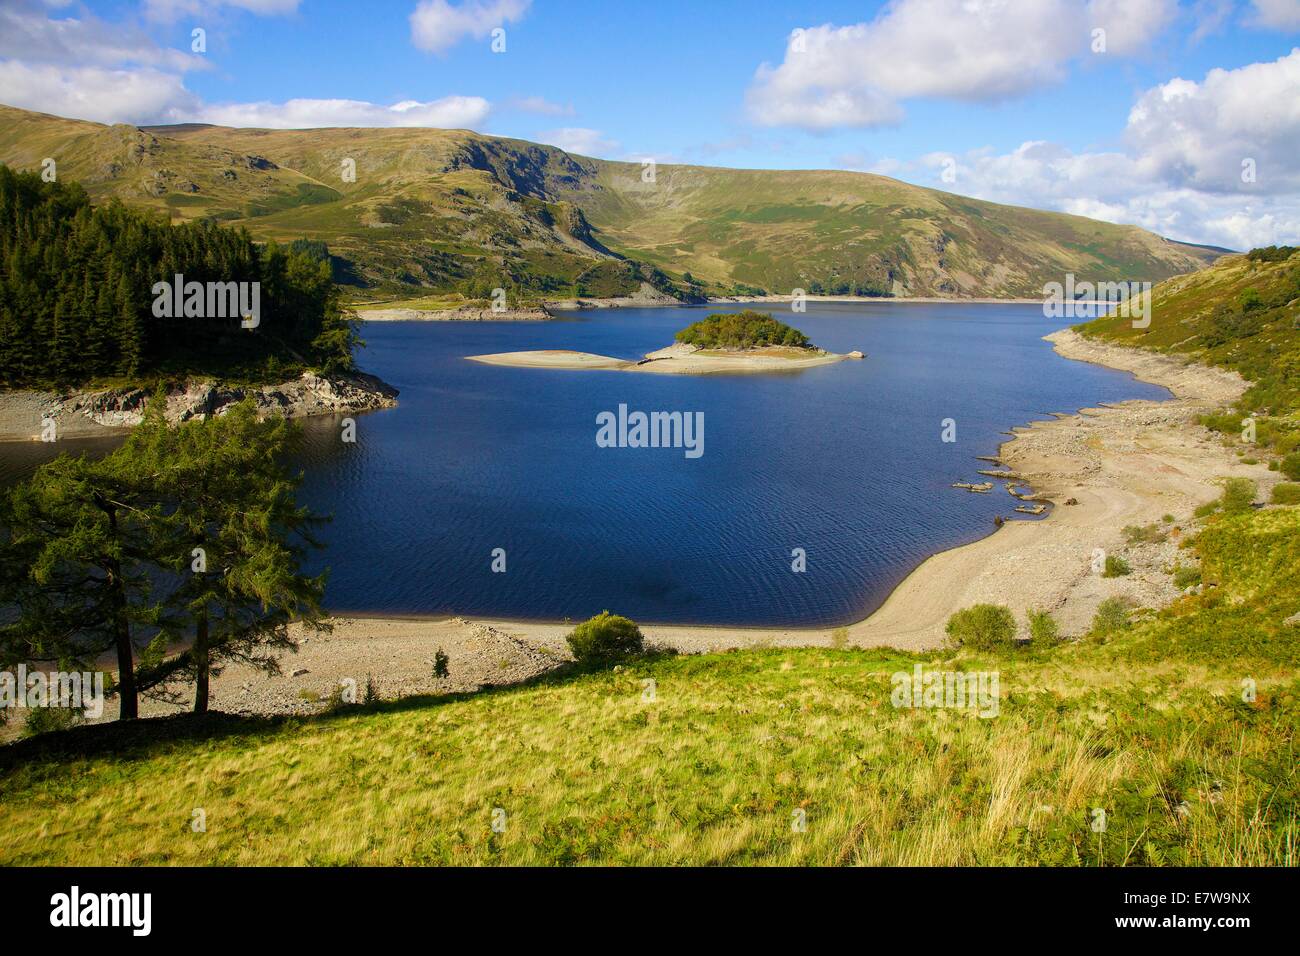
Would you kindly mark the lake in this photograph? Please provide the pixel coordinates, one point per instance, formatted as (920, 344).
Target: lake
(845, 462)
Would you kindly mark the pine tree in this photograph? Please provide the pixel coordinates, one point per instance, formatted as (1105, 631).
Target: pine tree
(78, 554)
(236, 536)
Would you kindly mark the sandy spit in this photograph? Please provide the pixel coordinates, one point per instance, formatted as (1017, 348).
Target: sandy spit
(673, 360)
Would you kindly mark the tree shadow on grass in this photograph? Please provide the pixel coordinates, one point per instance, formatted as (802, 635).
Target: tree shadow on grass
(148, 736)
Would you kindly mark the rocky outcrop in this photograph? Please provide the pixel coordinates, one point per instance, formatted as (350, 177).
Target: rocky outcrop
(646, 295)
(86, 413)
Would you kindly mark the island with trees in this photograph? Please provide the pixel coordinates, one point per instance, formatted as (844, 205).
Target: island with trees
(743, 342)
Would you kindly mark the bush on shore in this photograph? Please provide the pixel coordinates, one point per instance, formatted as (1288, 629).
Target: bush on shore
(1112, 617)
(1044, 631)
(1286, 493)
(1116, 567)
(983, 627)
(605, 640)
(1237, 498)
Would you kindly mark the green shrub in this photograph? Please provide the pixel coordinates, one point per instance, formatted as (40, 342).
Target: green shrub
(1291, 466)
(741, 330)
(1043, 629)
(1185, 576)
(1286, 493)
(1238, 495)
(604, 640)
(1111, 618)
(1116, 567)
(440, 662)
(43, 720)
(1145, 534)
(983, 627)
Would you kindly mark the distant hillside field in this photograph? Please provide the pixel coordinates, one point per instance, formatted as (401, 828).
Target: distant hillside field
(452, 210)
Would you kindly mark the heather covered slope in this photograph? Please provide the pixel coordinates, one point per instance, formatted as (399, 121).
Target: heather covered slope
(855, 233)
(454, 210)
(1243, 313)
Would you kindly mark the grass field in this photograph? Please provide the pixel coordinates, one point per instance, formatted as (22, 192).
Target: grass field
(1152, 726)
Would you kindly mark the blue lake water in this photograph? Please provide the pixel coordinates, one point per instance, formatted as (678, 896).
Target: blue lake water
(844, 461)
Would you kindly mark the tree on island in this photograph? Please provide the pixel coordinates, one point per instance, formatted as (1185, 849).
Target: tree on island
(742, 330)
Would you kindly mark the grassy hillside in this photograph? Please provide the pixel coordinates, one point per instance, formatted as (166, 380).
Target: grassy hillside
(1243, 313)
(841, 232)
(456, 211)
(1149, 725)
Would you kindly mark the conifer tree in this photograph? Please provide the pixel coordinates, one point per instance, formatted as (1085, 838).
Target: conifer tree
(237, 539)
(78, 549)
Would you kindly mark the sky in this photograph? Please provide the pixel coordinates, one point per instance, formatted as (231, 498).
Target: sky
(1181, 117)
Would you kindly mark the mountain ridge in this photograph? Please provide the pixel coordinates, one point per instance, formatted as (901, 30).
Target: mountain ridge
(455, 211)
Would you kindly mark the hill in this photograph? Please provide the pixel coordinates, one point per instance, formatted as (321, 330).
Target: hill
(1241, 314)
(453, 210)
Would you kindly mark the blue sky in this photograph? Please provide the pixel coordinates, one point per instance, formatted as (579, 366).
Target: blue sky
(1005, 99)
(669, 78)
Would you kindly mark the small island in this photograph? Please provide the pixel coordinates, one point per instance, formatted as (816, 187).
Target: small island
(745, 341)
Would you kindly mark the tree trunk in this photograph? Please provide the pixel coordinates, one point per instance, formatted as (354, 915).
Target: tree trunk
(128, 704)
(202, 662)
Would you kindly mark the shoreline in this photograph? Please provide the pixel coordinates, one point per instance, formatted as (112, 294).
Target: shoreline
(1125, 464)
(561, 309)
(104, 413)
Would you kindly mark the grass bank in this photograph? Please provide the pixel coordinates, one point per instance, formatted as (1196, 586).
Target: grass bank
(1151, 724)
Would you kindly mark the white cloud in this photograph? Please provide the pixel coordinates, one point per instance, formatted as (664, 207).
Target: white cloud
(1130, 25)
(1114, 187)
(1197, 135)
(29, 34)
(1178, 173)
(104, 95)
(450, 112)
(1210, 17)
(969, 50)
(577, 139)
(1276, 14)
(88, 68)
(169, 10)
(437, 25)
